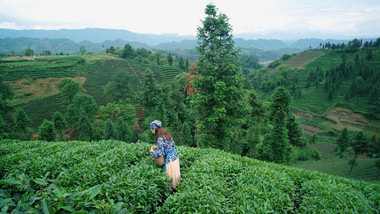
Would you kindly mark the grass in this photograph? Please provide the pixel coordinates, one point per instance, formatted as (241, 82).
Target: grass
(365, 170)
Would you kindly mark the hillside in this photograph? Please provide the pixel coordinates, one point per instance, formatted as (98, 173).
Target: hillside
(34, 79)
(312, 104)
(113, 176)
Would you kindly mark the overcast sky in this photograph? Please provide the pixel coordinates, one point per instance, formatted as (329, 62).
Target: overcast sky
(263, 18)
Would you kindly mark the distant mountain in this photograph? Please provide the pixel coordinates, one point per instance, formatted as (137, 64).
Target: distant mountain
(95, 35)
(264, 44)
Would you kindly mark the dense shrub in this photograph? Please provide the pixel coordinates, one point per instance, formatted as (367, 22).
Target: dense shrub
(116, 177)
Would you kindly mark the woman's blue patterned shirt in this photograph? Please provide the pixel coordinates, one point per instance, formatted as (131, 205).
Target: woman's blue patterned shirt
(163, 147)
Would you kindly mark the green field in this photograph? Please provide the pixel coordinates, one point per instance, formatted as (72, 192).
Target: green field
(365, 170)
(116, 177)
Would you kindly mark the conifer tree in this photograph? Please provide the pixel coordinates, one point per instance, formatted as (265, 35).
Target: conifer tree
(218, 102)
(343, 142)
(278, 139)
(279, 143)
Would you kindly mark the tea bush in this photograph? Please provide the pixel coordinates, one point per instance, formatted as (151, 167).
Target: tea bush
(117, 177)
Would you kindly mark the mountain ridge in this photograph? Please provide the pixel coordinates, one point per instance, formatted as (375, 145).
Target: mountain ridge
(153, 41)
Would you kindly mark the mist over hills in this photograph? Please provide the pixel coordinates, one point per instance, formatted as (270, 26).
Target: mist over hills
(68, 41)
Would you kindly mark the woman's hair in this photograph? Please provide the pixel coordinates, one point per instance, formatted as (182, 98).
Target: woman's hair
(161, 132)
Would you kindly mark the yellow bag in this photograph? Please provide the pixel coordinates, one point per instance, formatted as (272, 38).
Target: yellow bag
(160, 160)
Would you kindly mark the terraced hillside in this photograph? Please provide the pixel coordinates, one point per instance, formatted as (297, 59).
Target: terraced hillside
(34, 79)
(318, 112)
(117, 177)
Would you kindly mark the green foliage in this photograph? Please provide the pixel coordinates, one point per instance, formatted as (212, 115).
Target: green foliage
(119, 87)
(110, 130)
(187, 137)
(249, 63)
(2, 126)
(22, 122)
(149, 95)
(6, 93)
(98, 128)
(82, 50)
(69, 88)
(29, 52)
(280, 105)
(59, 121)
(170, 59)
(218, 103)
(47, 131)
(84, 126)
(127, 52)
(83, 105)
(343, 142)
(111, 176)
(124, 131)
(295, 134)
(279, 143)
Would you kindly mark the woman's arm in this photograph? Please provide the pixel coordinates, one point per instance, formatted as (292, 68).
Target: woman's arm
(160, 148)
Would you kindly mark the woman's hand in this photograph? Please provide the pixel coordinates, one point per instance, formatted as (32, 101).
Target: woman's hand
(151, 149)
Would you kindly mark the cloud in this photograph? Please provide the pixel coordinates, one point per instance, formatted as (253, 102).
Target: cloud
(344, 17)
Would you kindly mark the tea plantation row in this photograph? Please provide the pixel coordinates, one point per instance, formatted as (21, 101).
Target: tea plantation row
(116, 177)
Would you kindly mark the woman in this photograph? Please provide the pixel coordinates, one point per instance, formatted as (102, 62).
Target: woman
(165, 148)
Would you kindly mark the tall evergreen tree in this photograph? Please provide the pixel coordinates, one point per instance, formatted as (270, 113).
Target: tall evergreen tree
(343, 142)
(218, 102)
(280, 106)
(278, 141)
